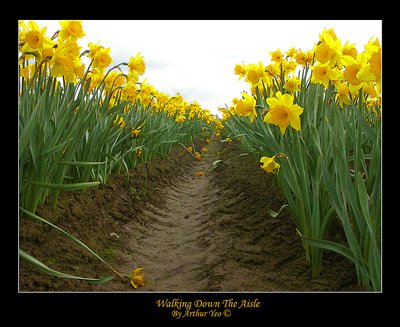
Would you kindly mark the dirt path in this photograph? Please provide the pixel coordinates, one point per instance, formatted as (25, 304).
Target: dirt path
(174, 247)
(189, 233)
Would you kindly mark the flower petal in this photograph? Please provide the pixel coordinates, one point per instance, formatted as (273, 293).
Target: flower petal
(268, 118)
(296, 110)
(287, 100)
(295, 123)
(272, 102)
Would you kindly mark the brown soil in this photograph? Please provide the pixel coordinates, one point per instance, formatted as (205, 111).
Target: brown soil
(190, 233)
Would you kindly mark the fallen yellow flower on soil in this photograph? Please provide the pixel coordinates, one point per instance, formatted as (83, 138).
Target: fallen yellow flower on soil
(136, 279)
(197, 156)
(199, 173)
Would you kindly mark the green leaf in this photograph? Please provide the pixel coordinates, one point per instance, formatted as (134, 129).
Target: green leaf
(42, 267)
(82, 163)
(65, 187)
(333, 246)
(274, 214)
(36, 217)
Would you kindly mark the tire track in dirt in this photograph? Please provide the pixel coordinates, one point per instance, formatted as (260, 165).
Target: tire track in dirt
(173, 243)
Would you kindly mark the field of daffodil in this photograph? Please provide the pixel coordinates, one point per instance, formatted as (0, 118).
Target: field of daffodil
(78, 122)
(312, 118)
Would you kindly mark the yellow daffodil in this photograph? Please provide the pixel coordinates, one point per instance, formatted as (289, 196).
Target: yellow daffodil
(119, 121)
(273, 69)
(93, 48)
(343, 94)
(197, 155)
(288, 66)
(180, 119)
(246, 106)
(113, 80)
(63, 64)
(190, 149)
(301, 58)
(137, 278)
(349, 50)
(291, 52)
(292, 84)
(323, 74)
(277, 56)
(138, 153)
(102, 58)
(370, 90)
(199, 173)
(36, 42)
(129, 91)
(71, 29)
(270, 165)
(329, 51)
(254, 73)
(135, 132)
(137, 64)
(240, 70)
(282, 112)
(372, 71)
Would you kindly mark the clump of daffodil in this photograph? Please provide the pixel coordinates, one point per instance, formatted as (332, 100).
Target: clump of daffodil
(34, 41)
(329, 49)
(282, 112)
(246, 106)
(372, 71)
(137, 278)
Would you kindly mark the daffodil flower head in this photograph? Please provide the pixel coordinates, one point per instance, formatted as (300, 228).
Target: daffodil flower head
(282, 112)
(137, 278)
(270, 165)
(246, 106)
(71, 29)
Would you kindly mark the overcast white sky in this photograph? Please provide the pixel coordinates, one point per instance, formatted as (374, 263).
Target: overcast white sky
(196, 57)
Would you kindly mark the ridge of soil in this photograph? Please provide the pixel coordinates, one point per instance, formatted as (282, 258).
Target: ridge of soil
(188, 232)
